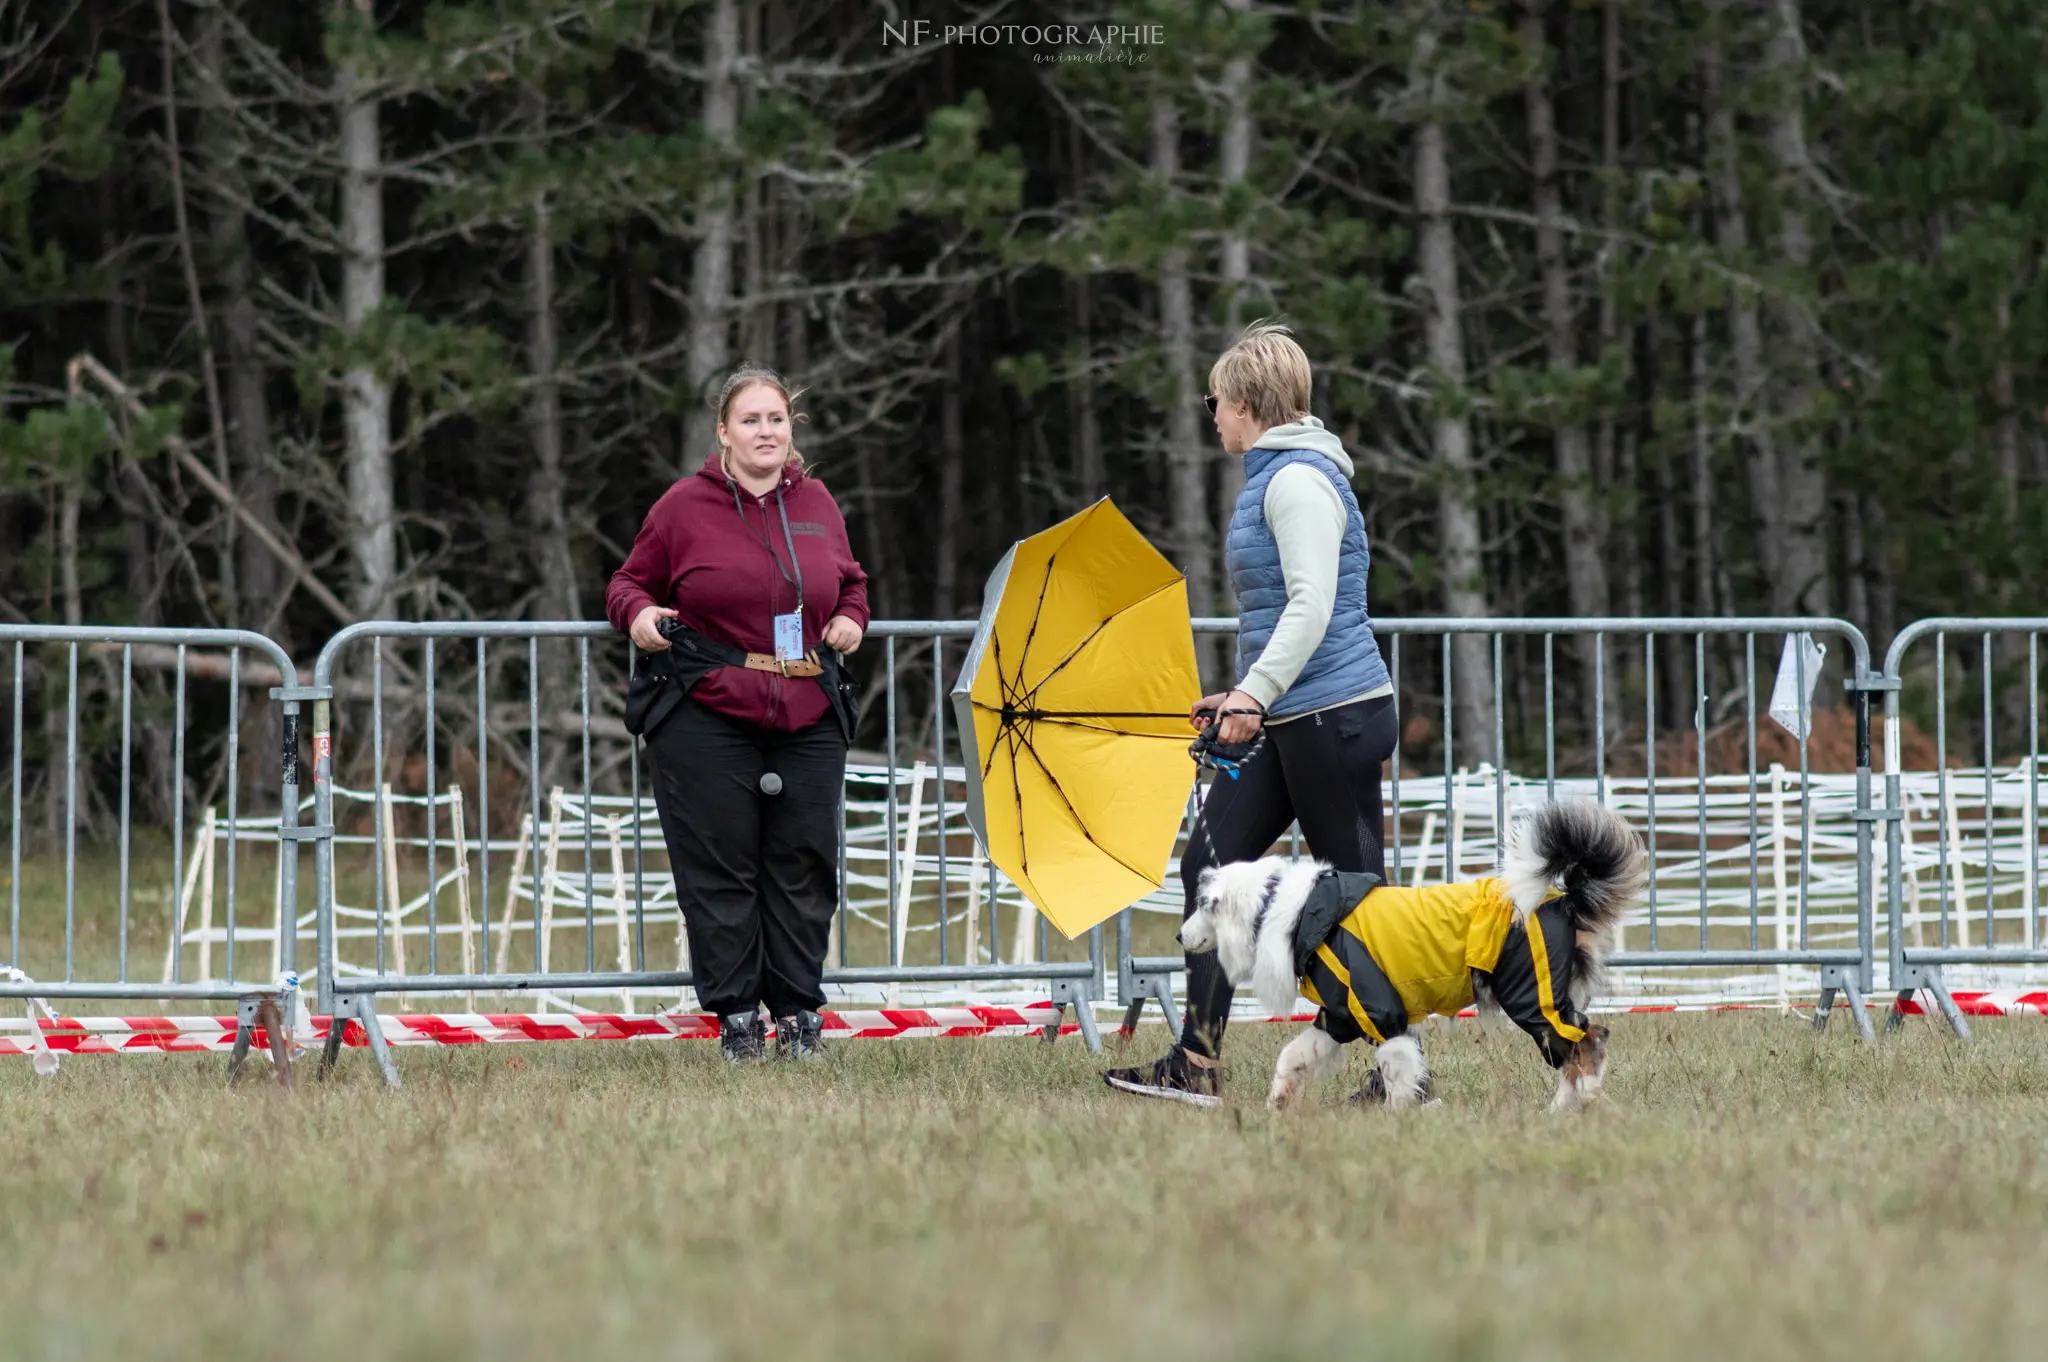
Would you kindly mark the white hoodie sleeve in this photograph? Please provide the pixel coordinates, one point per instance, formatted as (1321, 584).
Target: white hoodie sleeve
(1307, 520)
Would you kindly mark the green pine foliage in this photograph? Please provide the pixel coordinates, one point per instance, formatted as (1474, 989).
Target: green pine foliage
(896, 204)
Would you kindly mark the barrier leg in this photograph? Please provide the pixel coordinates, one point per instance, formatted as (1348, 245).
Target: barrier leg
(1956, 1021)
(1137, 987)
(1896, 1018)
(1853, 991)
(1050, 1032)
(245, 1029)
(337, 1030)
(1162, 989)
(1836, 981)
(251, 1011)
(366, 1013)
(1079, 993)
(1084, 1013)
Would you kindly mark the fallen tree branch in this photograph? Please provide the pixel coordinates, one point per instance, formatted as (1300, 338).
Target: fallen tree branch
(220, 491)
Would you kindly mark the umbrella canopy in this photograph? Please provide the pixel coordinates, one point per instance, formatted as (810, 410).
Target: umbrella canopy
(1072, 710)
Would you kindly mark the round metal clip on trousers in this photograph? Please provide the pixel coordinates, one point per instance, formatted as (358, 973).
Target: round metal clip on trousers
(771, 784)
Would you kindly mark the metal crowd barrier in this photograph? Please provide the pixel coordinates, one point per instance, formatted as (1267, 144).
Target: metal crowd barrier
(2005, 826)
(411, 655)
(1719, 855)
(98, 704)
(1763, 874)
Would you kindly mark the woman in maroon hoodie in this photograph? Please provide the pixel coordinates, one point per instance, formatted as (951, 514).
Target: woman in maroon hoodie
(752, 554)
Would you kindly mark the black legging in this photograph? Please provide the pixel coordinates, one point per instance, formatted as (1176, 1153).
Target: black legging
(1322, 770)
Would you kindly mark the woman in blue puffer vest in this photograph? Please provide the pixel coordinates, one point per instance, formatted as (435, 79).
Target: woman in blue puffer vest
(1309, 672)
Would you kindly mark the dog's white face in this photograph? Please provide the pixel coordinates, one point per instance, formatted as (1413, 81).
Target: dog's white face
(1227, 902)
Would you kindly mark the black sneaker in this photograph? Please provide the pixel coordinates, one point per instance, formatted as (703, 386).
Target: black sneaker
(1172, 1078)
(742, 1037)
(800, 1036)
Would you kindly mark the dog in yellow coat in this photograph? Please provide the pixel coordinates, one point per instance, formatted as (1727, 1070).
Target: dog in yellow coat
(1374, 958)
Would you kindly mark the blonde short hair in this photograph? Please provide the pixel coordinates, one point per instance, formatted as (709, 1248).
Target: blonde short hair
(1267, 371)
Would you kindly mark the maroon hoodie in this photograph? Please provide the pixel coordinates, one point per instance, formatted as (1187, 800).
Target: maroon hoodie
(711, 561)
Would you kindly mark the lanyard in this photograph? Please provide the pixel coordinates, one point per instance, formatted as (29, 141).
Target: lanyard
(761, 537)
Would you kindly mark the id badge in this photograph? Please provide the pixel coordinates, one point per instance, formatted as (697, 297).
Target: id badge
(789, 637)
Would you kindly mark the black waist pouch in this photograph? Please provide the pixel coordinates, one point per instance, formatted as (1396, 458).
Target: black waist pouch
(840, 691)
(661, 680)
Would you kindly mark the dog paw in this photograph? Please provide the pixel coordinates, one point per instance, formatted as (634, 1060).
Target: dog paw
(1573, 1098)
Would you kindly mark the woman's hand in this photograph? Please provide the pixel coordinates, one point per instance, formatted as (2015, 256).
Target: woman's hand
(841, 634)
(1239, 727)
(1204, 712)
(646, 630)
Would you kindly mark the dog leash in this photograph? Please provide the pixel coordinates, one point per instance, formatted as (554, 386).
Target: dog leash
(1223, 759)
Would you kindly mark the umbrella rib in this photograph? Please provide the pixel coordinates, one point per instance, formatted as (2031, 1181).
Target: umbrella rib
(1092, 633)
(1053, 780)
(1035, 715)
(1115, 732)
(1062, 664)
(1017, 789)
(1037, 609)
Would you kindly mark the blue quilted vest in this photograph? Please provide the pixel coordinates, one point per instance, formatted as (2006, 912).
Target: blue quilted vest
(1347, 663)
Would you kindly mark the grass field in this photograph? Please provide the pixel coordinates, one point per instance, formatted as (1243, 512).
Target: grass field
(1752, 1191)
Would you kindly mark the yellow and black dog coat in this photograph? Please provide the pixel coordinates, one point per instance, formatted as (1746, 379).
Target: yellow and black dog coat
(1375, 957)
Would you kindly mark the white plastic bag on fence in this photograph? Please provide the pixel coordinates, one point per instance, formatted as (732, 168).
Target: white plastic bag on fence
(298, 1022)
(41, 1056)
(1791, 709)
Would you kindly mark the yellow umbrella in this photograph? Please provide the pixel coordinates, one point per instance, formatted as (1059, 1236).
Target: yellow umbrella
(1072, 710)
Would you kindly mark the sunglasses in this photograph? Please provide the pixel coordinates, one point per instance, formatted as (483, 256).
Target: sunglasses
(1210, 403)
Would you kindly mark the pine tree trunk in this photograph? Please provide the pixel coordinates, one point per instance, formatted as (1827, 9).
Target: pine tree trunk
(757, 229)
(1186, 458)
(1450, 428)
(258, 573)
(874, 554)
(1605, 475)
(1704, 540)
(952, 462)
(2008, 427)
(2010, 650)
(710, 323)
(1233, 165)
(1608, 322)
(1745, 334)
(1802, 586)
(1675, 652)
(1884, 610)
(366, 395)
(68, 593)
(1089, 472)
(1585, 547)
(546, 512)
(1849, 513)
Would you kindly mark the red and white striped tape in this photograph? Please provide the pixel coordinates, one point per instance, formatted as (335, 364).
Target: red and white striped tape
(2001, 1003)
(137, 1035)
(134, 1035)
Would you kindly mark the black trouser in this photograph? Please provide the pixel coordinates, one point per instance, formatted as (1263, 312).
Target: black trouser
(1321, 770)
(756, 875)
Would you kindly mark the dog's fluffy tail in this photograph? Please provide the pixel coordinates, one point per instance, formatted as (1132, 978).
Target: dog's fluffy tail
(1584, 848)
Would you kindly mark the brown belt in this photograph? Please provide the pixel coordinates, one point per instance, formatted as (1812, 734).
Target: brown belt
(767, 662)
